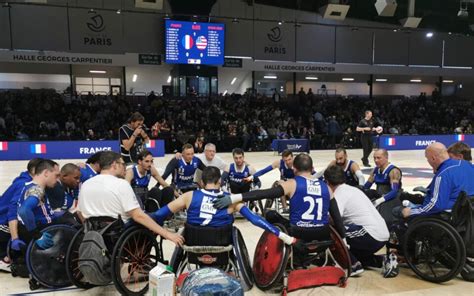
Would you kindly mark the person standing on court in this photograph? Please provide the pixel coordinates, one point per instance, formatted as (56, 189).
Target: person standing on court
(133, 138)
(367, 126)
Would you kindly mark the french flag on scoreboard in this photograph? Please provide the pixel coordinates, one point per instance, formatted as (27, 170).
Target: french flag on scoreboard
(3, 146)
(38, 148)
(188, 41)
(390, 142)
(459, 138)
(150, 144)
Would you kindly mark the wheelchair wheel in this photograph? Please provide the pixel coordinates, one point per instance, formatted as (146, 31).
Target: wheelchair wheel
(241, 256)
(48, 266)
(151, 205)
(136, 253)
(270, 260)
(340, 252)
(434, 250)
(72, 262)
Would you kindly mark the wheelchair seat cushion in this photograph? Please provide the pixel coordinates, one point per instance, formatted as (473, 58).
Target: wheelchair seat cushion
(207, 235)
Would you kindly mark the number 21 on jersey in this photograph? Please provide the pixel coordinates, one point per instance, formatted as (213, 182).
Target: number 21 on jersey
(313, 202)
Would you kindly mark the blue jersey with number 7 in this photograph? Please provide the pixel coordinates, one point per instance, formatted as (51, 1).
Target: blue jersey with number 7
(201, 211)
(309, 205)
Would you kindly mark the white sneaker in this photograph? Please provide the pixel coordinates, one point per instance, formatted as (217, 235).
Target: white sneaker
(5, 266)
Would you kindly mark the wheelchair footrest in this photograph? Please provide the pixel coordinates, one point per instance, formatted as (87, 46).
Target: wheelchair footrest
(315, 277)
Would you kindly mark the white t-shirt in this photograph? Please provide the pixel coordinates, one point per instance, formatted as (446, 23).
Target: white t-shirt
(356, 208)
(216, 162)
(107, 195)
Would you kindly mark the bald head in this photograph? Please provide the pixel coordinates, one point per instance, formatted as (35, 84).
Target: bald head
(381, 158)
(435, 154)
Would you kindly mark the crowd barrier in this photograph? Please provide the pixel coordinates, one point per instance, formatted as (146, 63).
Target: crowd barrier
(421, 141)
(66, 149)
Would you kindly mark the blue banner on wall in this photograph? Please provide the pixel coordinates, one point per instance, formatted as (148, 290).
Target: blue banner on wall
(66, 149)
(422, 141)
(294, 145)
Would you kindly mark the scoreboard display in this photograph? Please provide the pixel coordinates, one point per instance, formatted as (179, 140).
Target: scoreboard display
(194, 43)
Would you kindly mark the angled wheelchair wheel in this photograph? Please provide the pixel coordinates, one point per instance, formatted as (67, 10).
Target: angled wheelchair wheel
(72, 262)
(48, 266)
(340, 252)
(242, 258)
(136, 253)
(434, 250)
(151, 205)
(270, 260)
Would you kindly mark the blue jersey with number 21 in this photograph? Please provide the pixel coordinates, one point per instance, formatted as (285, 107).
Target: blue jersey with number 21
(309, 205)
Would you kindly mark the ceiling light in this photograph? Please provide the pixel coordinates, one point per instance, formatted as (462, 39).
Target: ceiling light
(415, 80)
(169, 79)
(311, 78)
(270, 77)
(429, 34)
(119, 11)
(233, 81)
(347, 79)
(381, 80)
(134, 78)
(448, 81)
(235, 20)
(463, 12)
(280, 23)
(97, 71)
(225, 92)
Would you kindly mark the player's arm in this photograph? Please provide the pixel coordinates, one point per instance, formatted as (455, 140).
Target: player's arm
(173, 207)
(25, 212)
(225, 174)
(436, 200)
(336, 215)
(355, 168)
(158, 178)
(285, 188)
(370, 181)
(262, 223)
(129, 175)
(395, 177)
(267, 169)
(142, 218)
(170, 167)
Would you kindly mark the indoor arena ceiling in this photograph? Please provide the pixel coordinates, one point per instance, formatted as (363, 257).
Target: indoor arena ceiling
(439, 15)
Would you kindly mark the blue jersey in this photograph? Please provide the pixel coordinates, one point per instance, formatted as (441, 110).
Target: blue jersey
(9, 199)
(309, 205)
(87, 173)
(139, 180)
(201, 211)
(382, 179)
(350, 178)
(452, 177)
(43, 212)
(285, 172)
(184, 173)
(236, 176)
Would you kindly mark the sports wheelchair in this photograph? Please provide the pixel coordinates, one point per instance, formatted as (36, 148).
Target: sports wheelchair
(281, 268)
(133, 250)
(439, 247)
(221, 247)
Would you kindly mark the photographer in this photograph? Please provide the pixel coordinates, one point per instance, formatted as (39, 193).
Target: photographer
(133, 138)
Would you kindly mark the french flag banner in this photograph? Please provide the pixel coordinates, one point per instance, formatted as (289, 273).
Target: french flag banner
(151, 144)
(460, 138)
(390, 142)
(3, 146)
(38, 148)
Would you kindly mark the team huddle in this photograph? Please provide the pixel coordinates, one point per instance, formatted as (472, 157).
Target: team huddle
(208, 192)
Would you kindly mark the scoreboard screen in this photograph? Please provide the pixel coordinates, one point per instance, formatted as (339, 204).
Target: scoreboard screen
(194, 43)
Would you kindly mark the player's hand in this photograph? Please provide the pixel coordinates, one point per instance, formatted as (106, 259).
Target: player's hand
(18, 244)
(45, 241)
(406, 212)
(288, 240)
(248, 179)
(176, 238)
(222, 202)
(177, 155)
(378, 201)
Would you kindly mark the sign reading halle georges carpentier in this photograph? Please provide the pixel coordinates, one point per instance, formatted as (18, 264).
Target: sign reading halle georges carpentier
(95, 31)
(274, 42)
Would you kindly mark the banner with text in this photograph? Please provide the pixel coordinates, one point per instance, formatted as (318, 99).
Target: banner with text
(422, 141)
(66, 149)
